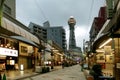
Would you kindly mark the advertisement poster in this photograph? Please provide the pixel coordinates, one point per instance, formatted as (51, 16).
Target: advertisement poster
(107, 50)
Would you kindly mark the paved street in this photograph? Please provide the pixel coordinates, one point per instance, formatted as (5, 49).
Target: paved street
(68, 73)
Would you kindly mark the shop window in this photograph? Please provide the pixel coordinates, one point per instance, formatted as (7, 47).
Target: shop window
(101, 58)
(24, 49)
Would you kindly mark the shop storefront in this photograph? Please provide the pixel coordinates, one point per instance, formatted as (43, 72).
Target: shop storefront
(107, 52)
(8, 54)
(28, 53)
(58, 59)
(15, 37)
(107, 42)
(15, 53)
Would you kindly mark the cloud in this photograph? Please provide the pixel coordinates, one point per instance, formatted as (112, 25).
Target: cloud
(57, 12)
(81, 32)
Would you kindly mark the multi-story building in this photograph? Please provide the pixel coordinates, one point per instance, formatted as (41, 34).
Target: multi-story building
(97, 24)
(46, 24)
(51, 35)
(57, 34)
(18, 46)
(39, 31)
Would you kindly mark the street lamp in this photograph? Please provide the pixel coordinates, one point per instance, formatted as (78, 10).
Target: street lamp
(52, 60)
(43, 54)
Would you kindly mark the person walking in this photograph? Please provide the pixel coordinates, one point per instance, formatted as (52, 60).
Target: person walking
(82, 64)
(63, 64)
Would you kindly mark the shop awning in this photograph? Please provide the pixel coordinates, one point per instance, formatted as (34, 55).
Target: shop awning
(13, 27)
(20, 38)
(99, 40)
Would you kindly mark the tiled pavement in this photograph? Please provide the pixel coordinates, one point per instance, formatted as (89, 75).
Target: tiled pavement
(68, 73)
(14, 75)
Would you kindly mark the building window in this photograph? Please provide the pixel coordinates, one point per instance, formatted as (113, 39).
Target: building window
(24, 49)
(7, 9)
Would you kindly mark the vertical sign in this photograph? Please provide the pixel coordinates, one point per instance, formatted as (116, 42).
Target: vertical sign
(107, 50)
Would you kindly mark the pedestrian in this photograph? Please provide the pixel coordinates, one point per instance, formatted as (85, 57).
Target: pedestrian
(63, 64)
(82, 63)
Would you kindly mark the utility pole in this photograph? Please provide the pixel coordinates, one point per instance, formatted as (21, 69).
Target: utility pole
(1, 10)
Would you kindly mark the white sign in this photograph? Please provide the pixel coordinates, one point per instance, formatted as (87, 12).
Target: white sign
(8, 52)
(107, 50)
(22, 67)
(118, 65)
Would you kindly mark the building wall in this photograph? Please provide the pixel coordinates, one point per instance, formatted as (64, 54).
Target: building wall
(46, 24)
(27, 55)
(10, 7)
(57, 34)
(38, 30)
(97, 24)
(102, 13)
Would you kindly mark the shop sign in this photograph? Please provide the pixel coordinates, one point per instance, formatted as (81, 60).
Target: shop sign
(8, 52)
(110, 8)
(107, 50)
(118, 65)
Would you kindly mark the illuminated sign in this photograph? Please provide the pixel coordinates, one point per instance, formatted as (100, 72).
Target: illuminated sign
(12, 62)
(8, 52)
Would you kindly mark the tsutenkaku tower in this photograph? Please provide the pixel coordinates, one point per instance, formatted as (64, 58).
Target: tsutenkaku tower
(72, 42)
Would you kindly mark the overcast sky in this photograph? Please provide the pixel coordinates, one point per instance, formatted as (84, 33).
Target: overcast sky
(57, 12)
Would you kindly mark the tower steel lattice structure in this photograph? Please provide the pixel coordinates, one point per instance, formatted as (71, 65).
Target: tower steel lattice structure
(72, 41)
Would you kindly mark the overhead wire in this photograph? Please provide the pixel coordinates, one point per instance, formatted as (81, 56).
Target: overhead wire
(42, 12)
(89, 17)
(90, 13)
(91, 8)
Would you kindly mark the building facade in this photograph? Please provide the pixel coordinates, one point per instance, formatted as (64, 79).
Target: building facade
(48, 35)
(39, 31)
(58, 35)
(97, 24)
(106, 42)
(18, 46)
(10, 8)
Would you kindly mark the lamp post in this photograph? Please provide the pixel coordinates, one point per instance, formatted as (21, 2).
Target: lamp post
(52, 60)
(43, 56)
(1, 10)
